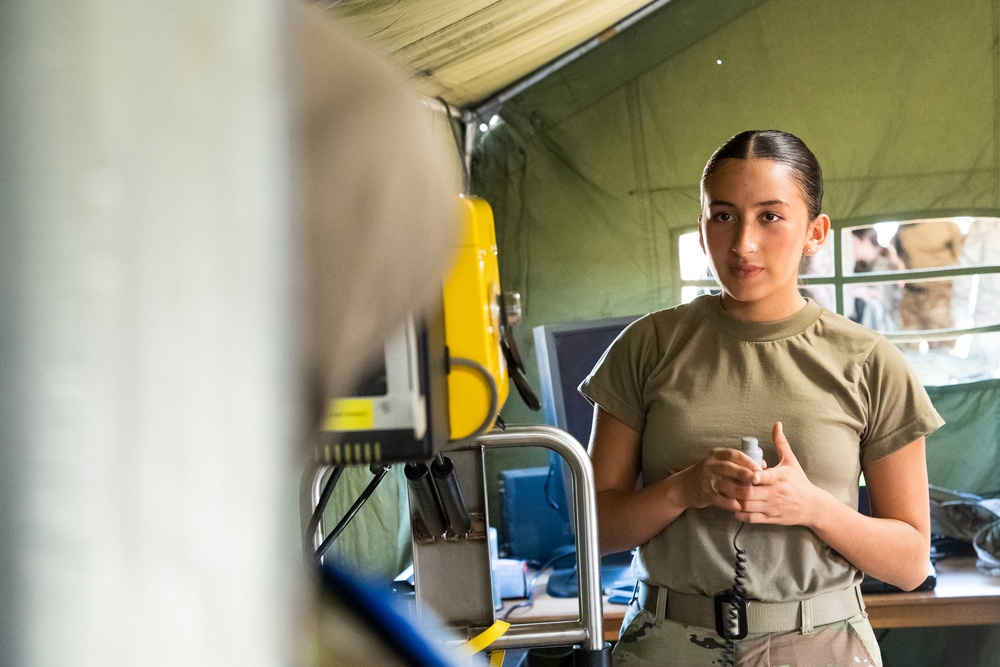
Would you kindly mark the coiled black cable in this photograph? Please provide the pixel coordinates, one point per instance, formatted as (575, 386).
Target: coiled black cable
(738, 597)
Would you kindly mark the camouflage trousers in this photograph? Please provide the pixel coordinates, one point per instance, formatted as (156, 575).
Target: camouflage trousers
(644, 642)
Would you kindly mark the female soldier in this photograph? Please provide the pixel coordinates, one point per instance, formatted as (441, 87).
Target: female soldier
(826, 398)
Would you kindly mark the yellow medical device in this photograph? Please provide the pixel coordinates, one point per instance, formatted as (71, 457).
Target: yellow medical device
(472, 317)
(443, 377)
(398, 410)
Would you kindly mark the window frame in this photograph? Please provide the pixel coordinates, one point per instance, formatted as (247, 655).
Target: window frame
(839, 280)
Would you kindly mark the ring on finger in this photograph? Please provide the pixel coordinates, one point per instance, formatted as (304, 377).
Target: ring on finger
(711, 483)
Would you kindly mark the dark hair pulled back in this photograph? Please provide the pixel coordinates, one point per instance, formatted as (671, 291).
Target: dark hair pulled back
(781, 147)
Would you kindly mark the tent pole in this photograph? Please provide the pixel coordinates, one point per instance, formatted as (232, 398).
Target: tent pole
(471, 131)
(492, 104)
(436, 104)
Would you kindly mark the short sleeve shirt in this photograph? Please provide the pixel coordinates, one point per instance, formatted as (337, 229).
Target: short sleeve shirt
(693, 377)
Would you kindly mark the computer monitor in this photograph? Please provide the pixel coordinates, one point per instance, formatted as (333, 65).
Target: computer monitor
(566, 354)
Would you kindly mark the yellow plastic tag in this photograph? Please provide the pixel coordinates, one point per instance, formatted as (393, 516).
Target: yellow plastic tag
(351, 414)
(486, 637)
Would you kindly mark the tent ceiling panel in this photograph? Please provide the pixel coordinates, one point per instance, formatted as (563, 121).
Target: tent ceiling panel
(467, 51)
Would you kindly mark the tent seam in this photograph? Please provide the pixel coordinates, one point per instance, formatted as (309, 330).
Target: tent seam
(640, 165)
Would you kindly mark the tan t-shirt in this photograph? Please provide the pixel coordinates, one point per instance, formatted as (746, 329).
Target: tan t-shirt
(692, 377)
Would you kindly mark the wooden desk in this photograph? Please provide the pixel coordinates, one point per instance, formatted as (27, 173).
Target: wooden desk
(962, 596)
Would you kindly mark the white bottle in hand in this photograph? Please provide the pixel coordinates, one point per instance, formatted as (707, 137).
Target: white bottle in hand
(751, 449)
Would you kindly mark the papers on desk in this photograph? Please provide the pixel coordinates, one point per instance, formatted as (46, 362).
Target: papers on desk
(621, 588)
(621, 593)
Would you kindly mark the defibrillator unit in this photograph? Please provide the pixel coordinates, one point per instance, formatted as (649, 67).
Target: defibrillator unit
(398, 412)
(442, 378)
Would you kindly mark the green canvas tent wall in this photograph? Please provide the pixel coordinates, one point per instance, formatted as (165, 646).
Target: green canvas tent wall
(593, 172)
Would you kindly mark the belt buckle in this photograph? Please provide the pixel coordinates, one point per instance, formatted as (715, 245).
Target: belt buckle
(725, 604)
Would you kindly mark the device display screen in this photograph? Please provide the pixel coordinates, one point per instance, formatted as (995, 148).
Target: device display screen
(374, 381)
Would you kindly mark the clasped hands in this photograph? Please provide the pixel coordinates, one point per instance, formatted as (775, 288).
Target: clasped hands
(730, 480)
